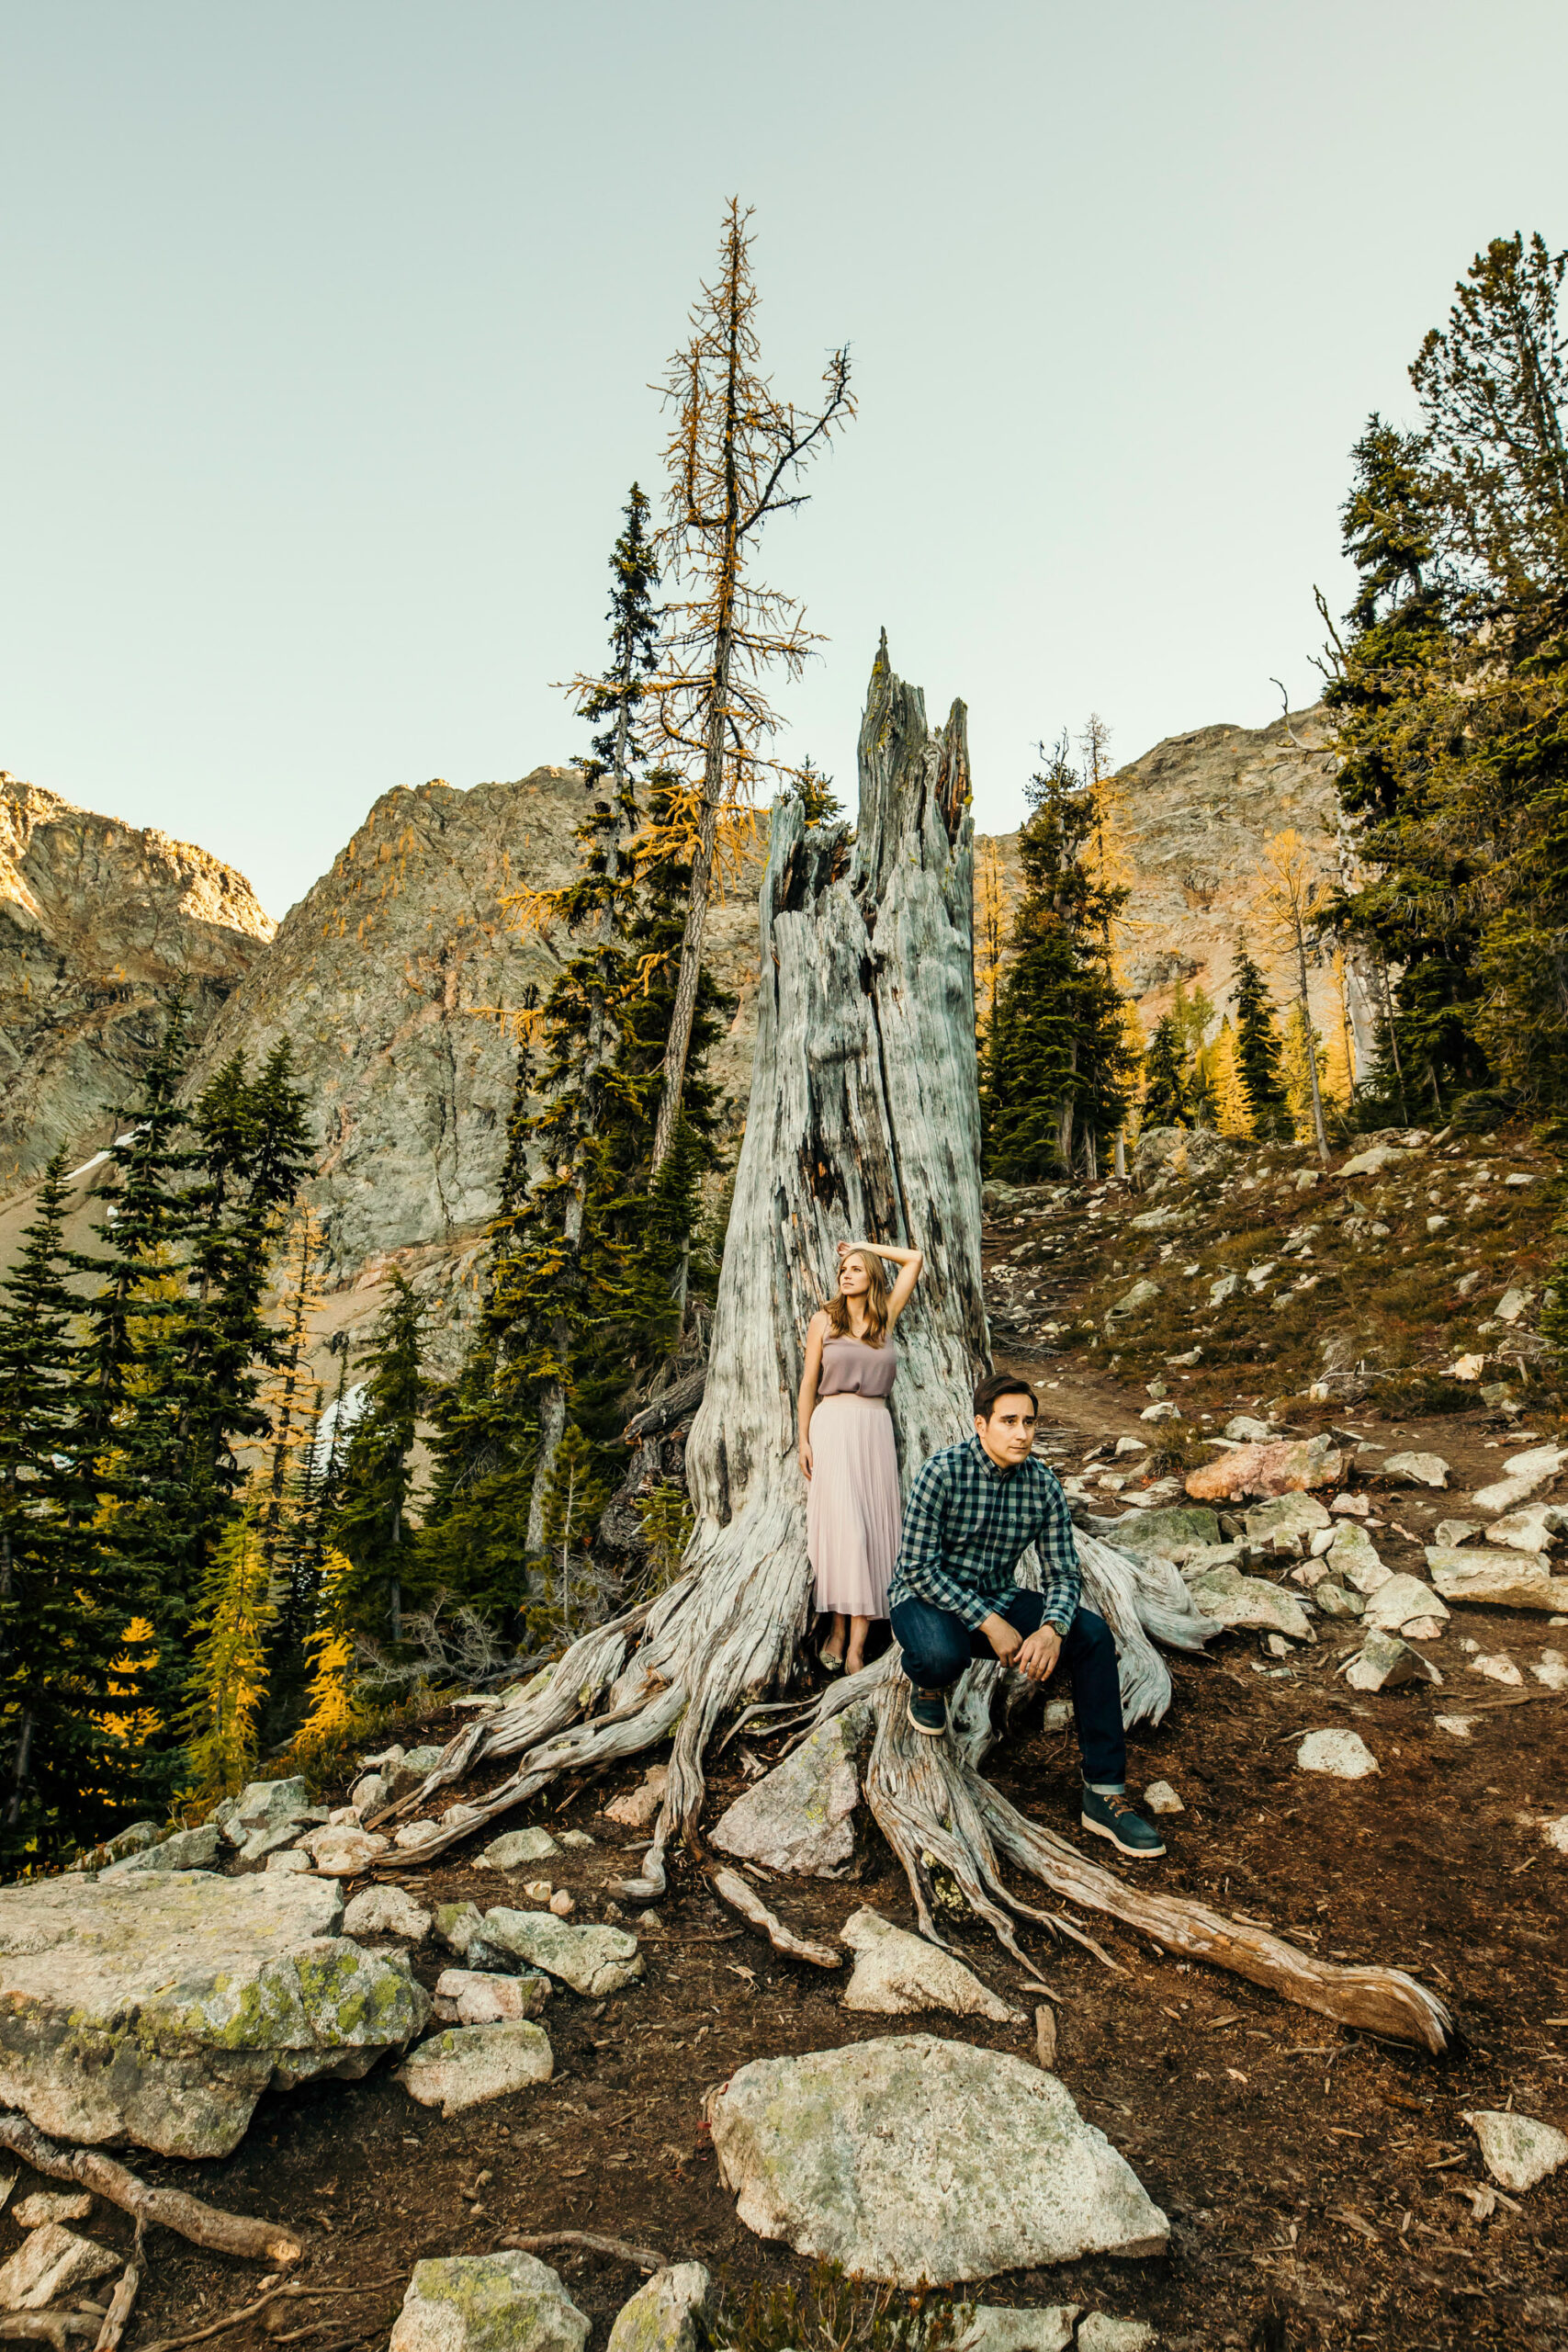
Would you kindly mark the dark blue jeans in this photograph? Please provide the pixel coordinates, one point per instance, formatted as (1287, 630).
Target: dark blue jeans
(938, 1645)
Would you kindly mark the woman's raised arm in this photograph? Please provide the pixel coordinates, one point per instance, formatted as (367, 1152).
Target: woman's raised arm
(909, 1262)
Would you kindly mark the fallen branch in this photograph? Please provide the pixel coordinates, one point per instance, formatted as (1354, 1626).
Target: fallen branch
(292, 2292)
(171, 2209)
(47, 2327)
(732, 1889)
(117, 2315)
(643, 2258)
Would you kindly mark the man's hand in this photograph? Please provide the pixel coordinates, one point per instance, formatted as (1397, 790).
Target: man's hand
(1005, 1639)
(1037, 1656)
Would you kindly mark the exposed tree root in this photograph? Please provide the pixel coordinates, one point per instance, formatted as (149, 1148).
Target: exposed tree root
(642, 2257)
(171, 2209)
(117, 2319)
(731, 1888)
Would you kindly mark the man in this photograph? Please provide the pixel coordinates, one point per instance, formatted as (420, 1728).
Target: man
(972, 1509)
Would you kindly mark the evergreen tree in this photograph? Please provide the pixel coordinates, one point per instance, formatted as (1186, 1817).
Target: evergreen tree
(371, 1524)
(65, 1778)
(818, 802)
(1058, 1059)
(1165, 1078)
(1259, 1048)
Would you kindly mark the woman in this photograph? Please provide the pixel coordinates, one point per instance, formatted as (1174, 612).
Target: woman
(846, 1445)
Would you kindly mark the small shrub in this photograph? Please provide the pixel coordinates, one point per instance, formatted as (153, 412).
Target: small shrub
(667, 1520)
(832, 2314)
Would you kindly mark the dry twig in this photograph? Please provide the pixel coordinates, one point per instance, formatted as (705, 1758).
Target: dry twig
(643, 2256)
(731, 1888)
(117, 2315)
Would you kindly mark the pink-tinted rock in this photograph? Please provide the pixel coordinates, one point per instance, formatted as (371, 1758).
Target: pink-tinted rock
(1285, 1466)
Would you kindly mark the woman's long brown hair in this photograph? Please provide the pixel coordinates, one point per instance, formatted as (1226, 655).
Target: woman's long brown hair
(875, 1304)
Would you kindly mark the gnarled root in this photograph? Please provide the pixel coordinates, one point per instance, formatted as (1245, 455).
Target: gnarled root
(934, 1808)
(171, 2209)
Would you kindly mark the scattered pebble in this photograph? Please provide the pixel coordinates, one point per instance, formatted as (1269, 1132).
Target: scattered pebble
(1500, 1668)
(1343, 1754)
(1160, 1797)
(1517, 2150)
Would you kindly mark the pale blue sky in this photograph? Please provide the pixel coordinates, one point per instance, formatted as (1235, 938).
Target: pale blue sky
(328, 330)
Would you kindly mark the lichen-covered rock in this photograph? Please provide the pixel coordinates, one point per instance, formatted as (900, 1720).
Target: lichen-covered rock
(800, 1816)
(668, 2315)
(488, 2303)
(1175, 1534)
(187, 1849)
(1353, 1558)
(1400, 1602)
(1227, 1598)
(897, 1973)
(1416, 1469)
(469, 2063)
(516, 1847)
(1100, 2332)
(1285, 1523)
(1385, 1663)
(263, 1803)
(914, 2159)
(387, 1911)
(593, 1960)
(1517, 2150)
(159, 2007)
(54, 2261)
(1523, 1582)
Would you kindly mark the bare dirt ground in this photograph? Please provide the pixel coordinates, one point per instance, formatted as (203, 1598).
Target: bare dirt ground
(1322, 2186)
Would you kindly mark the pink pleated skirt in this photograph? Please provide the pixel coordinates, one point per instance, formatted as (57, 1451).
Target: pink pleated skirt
(852, 1511)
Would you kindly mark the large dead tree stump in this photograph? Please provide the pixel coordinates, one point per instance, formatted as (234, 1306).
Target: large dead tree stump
(863, 1121)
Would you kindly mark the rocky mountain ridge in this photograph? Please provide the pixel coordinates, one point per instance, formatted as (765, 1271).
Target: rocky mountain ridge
(102, 925)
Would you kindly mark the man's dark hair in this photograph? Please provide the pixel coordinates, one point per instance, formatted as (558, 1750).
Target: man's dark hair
(998, 1385)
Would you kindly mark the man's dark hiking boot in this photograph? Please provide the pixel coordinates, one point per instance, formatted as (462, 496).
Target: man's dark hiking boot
(1114, 1818)
(928, 1712)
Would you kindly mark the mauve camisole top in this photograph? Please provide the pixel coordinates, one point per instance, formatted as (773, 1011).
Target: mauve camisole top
(854, 1368)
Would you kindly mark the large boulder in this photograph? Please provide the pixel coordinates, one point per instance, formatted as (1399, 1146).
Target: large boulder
(800, 1816)
(1175, 1534)
(896, 1972)
(158, 2008)
(1288, 1466)
(913, 2159)
(593, 1960)
(488, 2303)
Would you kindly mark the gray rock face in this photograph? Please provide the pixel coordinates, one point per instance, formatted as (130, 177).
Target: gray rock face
(159, 2007)
(478, 1996)
(84, 897)
(800, 1816)
(1285, 1523)
(1416, 1469)
(488, 2303)
(265, 1804)
(1179, 1151)
(54, 2261)
(668, 2315)
(593, 1960)
(469, 2064)
(887, 2157)
(897, 1973)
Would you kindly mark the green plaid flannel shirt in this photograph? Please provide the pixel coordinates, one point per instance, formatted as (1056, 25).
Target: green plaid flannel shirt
(967, 1522)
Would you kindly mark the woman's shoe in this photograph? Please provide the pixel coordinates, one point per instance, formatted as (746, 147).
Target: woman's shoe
(829, 1661)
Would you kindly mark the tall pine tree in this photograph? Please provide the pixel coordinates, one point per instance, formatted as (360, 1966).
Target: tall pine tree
(1057, 1067)
(372, 1525)
(1259, 1049)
